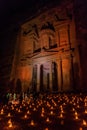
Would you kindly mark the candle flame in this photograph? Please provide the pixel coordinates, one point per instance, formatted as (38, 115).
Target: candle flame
(84, 122)
(32, 123)
(10, 125)
(47, 120)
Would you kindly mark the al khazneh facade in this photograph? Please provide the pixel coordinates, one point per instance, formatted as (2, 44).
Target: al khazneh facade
(46, 55)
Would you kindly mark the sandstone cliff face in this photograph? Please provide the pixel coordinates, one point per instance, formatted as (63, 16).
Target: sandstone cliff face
(48, 51)
(80, 11)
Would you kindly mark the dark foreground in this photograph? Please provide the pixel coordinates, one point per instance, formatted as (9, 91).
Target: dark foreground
(46, 112)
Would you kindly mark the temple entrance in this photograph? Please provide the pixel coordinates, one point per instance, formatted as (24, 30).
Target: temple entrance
(44, 77)
(41, 78)
(48, 80)
(54, 77)
(34, 79)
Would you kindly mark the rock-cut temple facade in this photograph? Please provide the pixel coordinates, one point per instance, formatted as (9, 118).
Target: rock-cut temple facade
(46, 55)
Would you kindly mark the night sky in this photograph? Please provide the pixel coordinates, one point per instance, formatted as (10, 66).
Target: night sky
(13, 11)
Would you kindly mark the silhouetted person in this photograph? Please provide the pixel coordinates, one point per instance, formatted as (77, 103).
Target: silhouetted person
(20, 98)
(5, 99)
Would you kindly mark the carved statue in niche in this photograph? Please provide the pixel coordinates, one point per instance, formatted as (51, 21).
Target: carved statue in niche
(31, 28)
(35, 38)
(48, 36)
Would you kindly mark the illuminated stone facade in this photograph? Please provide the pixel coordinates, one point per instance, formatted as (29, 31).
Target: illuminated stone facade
(46, 55)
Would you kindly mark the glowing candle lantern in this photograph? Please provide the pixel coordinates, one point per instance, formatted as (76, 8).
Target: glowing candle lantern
(51, 113)
(2, 111)
(64, 103)
(76, 113)
(62, 111)
(80, 128)
(61, 107)
(73, 109)
(84, 123)
(28, 112)
(9, 114)
(25, 116)
(51, 108)
(10, 125)
(42, 115)
(34, 109)
(19, 110)
(85, 111)
(42, 110)
(78, 106)
(76, 117)
(32, 123)
(61, 115)
(9, 121)
(74, 104)
(47, 120)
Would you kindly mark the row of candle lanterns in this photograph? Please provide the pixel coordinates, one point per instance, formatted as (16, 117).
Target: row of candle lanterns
(54, 104)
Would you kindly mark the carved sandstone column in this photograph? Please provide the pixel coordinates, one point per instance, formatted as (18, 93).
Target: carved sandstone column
(58, 82)
(60, 76)
(72, 74)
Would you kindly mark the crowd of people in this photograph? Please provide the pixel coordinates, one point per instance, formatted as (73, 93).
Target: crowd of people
(7, 98)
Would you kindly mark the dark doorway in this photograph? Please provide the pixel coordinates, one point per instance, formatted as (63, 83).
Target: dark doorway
(54, 77)
(41, 78)
(34, 84)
